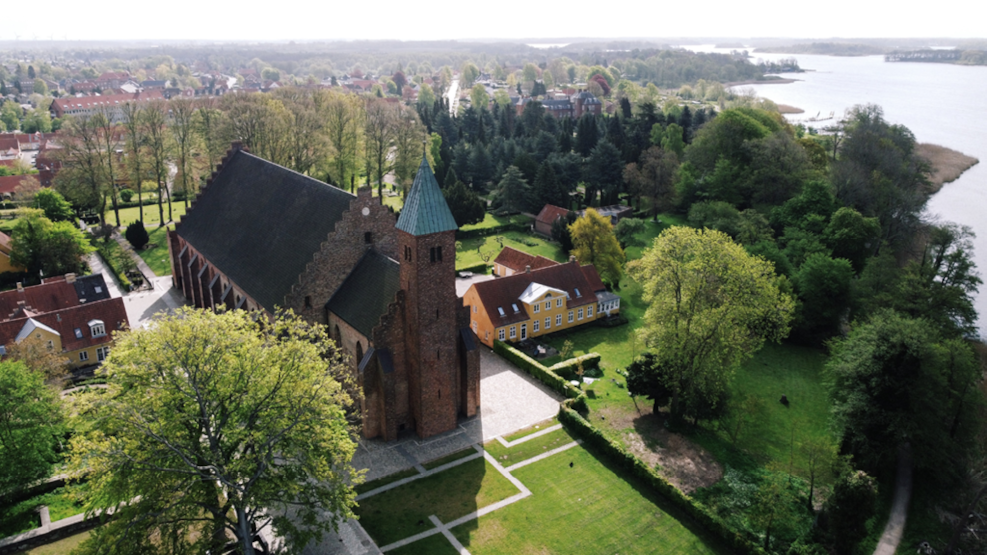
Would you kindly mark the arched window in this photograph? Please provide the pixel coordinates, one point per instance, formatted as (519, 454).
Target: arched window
(359, 353)
(336, 335)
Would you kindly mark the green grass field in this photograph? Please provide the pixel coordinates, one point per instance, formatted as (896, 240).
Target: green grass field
(396, 514)
(590, 507)
(62, 546)
(531, 448)
(151, 217)
(157, 257)
(490, 220)
(467, 255)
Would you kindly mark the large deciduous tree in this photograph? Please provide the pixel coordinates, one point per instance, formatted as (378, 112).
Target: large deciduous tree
(379, 132)
(42, 247)
(711, 306)
(218, 425)
(31, 426)
(654, 178)
(594, 242)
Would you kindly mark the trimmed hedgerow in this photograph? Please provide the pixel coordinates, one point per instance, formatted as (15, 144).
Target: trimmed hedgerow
(570, 418)
(538, 370)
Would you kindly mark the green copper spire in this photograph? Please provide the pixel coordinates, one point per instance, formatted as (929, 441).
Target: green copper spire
(425, 210)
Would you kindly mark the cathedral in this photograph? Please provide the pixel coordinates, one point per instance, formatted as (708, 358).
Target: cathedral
(262, 237)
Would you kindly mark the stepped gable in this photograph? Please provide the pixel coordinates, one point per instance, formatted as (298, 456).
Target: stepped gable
(260, 224)
(425, 210)
(503, 292)
(366, 293)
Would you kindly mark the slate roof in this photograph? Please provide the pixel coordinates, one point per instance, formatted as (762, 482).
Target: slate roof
(425, 210)
(516, 260)
(91, 288)
(366, 293)
(261, 224)
(502, 292)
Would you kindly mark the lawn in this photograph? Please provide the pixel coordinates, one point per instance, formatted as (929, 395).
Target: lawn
(61, 547)
(157, 257)
(151, 217)
(21, 517)
(490, 220)
(529, 449)
(467, 255)
(401, 512)
(588, 507)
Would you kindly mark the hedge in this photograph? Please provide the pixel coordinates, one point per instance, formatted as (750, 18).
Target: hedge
(480, 268)
(567, 368)
(495, 230)
(538, 370)
(575, 423)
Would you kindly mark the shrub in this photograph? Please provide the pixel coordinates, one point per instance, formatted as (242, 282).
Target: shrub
(481, 268)
(137, 235)
(126, 195)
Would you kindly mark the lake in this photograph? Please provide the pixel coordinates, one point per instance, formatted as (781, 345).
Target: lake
(941, 103)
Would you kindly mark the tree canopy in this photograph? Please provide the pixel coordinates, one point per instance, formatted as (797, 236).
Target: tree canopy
(216, 424)
(594, 242)
(711, 306)
(40, 245)
(31, 426)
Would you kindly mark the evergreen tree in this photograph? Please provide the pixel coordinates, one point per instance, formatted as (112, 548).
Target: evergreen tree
(615, 132)
(466, 206)
(480, 168)
(625, 108)
(685, 121)
(137, 235)
(587, 135)
(548, 188)
(512, 191)
(604, 173)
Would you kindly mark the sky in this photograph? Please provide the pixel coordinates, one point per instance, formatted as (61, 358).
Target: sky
(258, 20)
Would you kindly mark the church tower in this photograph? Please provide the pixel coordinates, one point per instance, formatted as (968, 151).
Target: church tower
(427, 251)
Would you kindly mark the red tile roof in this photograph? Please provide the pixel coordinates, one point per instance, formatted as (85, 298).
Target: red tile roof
(593, 277)
(10, 183)
(8, 141)
(53, 294)
(549, 213)
(60, 105)
(502, 292)
(517, 260)
(65, 321)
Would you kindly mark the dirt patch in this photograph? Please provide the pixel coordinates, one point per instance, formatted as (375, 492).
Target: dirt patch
(676, 457)
(947, 164)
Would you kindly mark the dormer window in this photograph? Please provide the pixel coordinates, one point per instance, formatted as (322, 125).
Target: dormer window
(97, 328)
(500, 310)
(516, 309)
(578, 294)
(78, 333)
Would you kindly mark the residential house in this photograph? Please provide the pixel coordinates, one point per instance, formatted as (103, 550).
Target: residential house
(262, 237)
(5, 249)
(511, 261)
(538, 302)
(75, 316)
(89, 105)
(546, 218)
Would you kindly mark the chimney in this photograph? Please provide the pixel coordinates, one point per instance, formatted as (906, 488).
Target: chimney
(20, 287)
(527, 269)
(69, 278)
(572, 258)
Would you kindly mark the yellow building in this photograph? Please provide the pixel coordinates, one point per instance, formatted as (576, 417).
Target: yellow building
(5, 248)
(538, 302)
(72, 316)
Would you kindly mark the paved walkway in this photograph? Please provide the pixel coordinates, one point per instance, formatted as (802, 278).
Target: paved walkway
(97, 266)
(895, 528)
(143, 305)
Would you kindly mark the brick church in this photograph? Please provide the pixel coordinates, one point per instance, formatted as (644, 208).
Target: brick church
(261, 237)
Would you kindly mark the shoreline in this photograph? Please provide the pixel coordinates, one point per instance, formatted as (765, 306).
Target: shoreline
(947, 164)
(764, 82)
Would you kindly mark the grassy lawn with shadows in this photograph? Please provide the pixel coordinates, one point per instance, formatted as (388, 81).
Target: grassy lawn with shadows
(157, 257)
(62, 546)
(531, 429)
(151, 218)
(508, 456)
(467, 255)
(395, 514)
(591, 507)
(432, 545)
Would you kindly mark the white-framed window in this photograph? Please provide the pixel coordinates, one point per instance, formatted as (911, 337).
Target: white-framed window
(535, 326)
(579, 315)
(84, 356)
(102, 353)
(589, 311)
(500, 334)
(572, 314)
(548, 323)
(558, 320)
(97, 328)
(474, 309)
(558, 302)
(474, 326)
(513, 332)
(537, 308)
(486, 335)
(548, 304)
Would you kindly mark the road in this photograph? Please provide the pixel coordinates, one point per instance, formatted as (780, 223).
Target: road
(453, 95)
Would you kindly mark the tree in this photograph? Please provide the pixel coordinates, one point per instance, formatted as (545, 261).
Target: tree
(594, 243)
(587, 135)
(852, 236)
(654, 178)
(823, 286)
(512, 191)
(82, 178)
(671, 139)
(36, 121)
(627, 230)
(42, 247)
(185, 140)
(137, 235)
(379, 133)
(409, 135)
(216, 424)
(819, 455)
(342, 117)
(548, 189)
(604, 172)
(10, 115)
(711, 306)
(479, 97)
(850, 506)
(109, 144)
(561, 231)
(399, 79)
(31, 426)
(133, 124)
(772, 509)
(159, 151)
(37, 356)
(466, 206)
(54, 205)
(894, 380)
